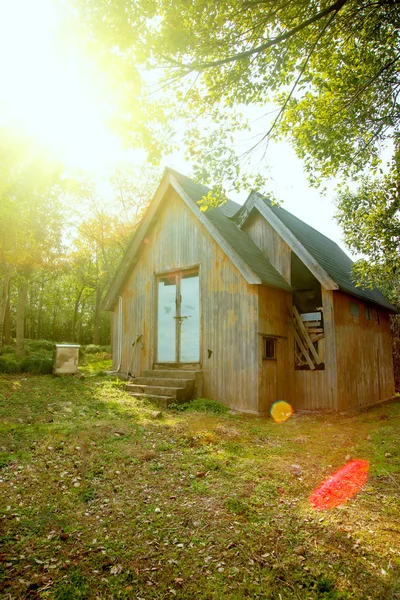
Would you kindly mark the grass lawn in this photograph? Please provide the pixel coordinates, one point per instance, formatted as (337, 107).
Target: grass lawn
(100, 499)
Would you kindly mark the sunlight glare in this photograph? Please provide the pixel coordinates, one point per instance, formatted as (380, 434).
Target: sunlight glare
(48, 91)
(281, 411)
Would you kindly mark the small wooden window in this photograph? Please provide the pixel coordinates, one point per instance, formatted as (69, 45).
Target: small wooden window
(269, 348)
(368, 313)
(354, 309)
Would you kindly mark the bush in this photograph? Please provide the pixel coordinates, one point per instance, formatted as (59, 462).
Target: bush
(9, 365)
(97, 349)
(35, 345)
(92, 349)
(38, 365)
(201, 405)
(7, 350)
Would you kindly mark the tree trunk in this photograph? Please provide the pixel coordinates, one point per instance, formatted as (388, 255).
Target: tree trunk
(23, 290)
(3, 300)
(40, 314)
(7, 323)
(54, 323)
(75, 318)
(97, 315)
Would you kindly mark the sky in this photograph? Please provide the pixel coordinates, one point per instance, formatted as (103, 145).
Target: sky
(52, 95)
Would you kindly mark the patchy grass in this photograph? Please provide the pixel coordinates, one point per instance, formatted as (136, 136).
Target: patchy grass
(100, 500)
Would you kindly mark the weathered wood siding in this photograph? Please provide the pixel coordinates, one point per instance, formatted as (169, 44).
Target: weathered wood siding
(364, 354)
(317, 390)
(274, 375)
(229, 316)
(114, 336)
(270, 243)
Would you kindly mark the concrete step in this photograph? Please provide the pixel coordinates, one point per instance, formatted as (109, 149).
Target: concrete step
(171, 374)
(161, 401)
(177, 393)
(164, 381)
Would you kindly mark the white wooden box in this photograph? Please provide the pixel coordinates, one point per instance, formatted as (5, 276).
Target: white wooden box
(65, 359)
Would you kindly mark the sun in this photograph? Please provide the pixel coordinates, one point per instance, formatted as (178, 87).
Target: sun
(49, 91)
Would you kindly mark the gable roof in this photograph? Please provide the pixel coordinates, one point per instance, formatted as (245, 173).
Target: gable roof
(335, 265)
(236, 238)
(236, 244)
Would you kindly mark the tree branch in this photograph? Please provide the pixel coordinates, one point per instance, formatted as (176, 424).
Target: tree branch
(336, 7)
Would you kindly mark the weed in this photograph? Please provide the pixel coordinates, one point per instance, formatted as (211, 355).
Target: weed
(237, 506)
(36, 364)
(201, 405)
(9, 365)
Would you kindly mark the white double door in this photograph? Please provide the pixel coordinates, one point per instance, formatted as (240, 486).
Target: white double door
(178, 318)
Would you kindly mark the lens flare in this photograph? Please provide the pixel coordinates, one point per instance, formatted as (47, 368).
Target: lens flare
(281, 411)
(341, 486)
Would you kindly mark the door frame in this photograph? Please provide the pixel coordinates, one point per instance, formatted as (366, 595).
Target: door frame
(178, 274)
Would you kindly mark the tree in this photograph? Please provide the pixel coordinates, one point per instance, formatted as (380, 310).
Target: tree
(31, 223)
(370, 218)
(331, 68)
(105, 227)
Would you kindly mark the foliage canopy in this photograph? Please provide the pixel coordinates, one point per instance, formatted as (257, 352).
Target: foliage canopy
(331, 67)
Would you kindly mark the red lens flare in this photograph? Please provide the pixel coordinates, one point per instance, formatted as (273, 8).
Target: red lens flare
(281, 411)
(341, 486)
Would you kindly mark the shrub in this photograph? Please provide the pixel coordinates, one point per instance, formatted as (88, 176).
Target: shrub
(96, 349)
(9, 365)
(100, 373)
(201, 405)
(7, 350)
(93, 349)
(35, 345)
(38, 365)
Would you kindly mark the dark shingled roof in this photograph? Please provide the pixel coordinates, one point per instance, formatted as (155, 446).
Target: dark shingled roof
(239, 240)
(326, 252)
(329, 255)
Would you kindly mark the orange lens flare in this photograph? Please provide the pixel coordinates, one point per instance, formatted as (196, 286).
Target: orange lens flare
(341, 486)
(281, 411)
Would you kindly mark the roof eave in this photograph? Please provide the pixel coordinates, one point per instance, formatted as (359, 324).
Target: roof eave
(255, 201)
(239, 263)
(134, 244)
(140, 233)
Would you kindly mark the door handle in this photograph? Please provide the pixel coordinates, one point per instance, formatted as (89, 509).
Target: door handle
(183, 317)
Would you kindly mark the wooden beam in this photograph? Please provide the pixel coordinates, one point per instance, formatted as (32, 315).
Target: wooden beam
(305, 335)
(315, 337)
(301, 345)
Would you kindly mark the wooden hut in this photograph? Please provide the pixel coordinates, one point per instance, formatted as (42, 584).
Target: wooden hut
(246, 305)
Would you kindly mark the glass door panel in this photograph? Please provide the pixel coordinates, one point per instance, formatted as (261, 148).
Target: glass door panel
(189, 318)
(166, 320)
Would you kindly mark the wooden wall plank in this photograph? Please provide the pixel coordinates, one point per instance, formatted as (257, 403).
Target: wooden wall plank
(316, 390)
(364, 354)
(270, 243)
(229, 306)
(274, 375)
